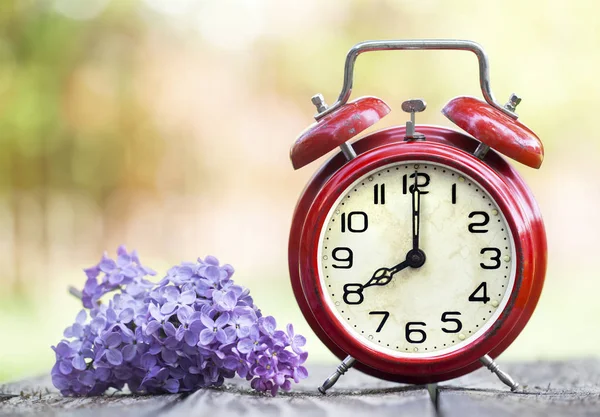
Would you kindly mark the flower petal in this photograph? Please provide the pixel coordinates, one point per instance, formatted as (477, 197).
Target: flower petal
(129, 352)
(152, 327)
(169, 329)
(123, 260)
(114, 357)
(87, 378)
(126, 315)
(206, 337)
(183, 313)
(113, 340)
(221, 336)
(65, 367)
(168, 308)
(78, 363)
(191, 338)
(301, 372)
(106, 264)
(187, 297)
(98, 324)
(222, 320)
(172, 386)
(207, 321)
(81, 316)
(60, 382)
(148, 360)
(244, 346)
(196, 326)
(169, 356)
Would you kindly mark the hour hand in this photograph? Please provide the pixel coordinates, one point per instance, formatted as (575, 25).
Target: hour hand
(383, 276)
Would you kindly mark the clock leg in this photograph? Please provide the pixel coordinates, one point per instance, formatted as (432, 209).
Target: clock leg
(502, 376)
(433, 395)
(333, 378)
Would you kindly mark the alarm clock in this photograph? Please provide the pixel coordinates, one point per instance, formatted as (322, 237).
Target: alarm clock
(417, 253)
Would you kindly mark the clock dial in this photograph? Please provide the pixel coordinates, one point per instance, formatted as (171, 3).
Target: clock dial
(416, 259)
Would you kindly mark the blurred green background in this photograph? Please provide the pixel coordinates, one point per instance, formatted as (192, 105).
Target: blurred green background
(166, 125)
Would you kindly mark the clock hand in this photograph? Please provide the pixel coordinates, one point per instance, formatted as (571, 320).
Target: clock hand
(416, 213)
(384, 275)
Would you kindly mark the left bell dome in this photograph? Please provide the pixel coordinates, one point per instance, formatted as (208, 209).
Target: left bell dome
(336, 128)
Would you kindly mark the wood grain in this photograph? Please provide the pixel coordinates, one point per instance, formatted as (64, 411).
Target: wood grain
(549, 389)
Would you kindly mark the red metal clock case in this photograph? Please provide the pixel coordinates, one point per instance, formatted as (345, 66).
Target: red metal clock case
(450, 148)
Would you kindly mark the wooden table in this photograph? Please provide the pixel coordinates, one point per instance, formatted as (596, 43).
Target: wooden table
(548, 389)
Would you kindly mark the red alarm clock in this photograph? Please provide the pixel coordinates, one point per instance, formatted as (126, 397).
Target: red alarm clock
(417, 253)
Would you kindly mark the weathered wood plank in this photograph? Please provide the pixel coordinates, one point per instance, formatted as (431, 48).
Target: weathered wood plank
(37, 396)
(355, 394)
(549, 388)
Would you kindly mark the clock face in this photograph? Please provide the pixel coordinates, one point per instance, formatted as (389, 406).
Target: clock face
(416, 260)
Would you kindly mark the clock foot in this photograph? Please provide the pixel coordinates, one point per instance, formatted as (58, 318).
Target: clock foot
(333, 378)
(433, 395)
(502, 376)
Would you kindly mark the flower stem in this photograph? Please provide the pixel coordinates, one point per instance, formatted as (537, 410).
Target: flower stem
(75, 292)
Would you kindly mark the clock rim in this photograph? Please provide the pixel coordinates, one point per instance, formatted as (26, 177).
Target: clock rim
(530, 237)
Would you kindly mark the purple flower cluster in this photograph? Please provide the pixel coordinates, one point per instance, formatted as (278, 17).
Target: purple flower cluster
(193, 329)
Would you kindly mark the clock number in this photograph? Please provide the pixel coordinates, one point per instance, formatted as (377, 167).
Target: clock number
(363, 224)
(420, 184)
(476, 298)
(385, 317)
(343, 255)
(495, 258)
(408, 332)
(379, 194)
(353, 295)
(453, 193)
(447, 319)
(486, 220)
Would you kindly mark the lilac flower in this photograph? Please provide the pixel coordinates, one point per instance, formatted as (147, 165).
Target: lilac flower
(77, 329)
(118, 271)
(176, 299)
(193, 329)
(164, 381)
(111, 343)
(133, 345)
(268, 327)
(126, 270)
(119, 320)
(296, 340)
(215, 330)
(209, 268)
(253, 343)
(225, 301)
(242, 319)
(191, 325)
(157, 321)
(237, 362)
(81, 351)
(265, 367)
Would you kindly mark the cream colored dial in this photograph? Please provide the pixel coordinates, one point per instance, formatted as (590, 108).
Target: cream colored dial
(440, 306)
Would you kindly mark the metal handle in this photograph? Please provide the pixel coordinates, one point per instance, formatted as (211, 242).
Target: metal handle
(417, 44)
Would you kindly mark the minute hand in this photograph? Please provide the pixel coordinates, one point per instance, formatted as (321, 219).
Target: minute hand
(416, 213)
